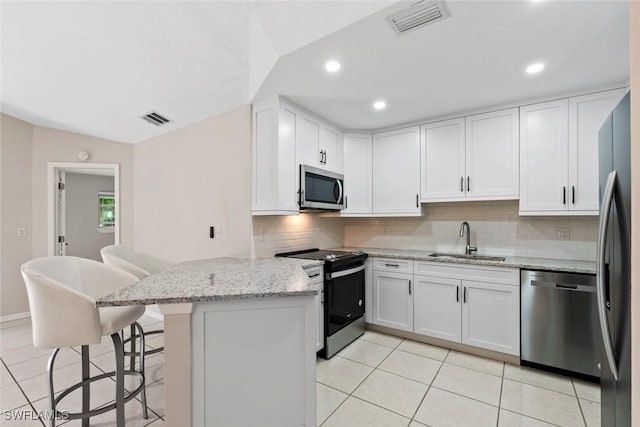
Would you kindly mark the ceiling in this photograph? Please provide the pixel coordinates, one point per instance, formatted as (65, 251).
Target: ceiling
(96, 67)
(474, 59)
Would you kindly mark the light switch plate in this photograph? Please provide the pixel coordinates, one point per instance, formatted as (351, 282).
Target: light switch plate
(562, 233)
(22, 232)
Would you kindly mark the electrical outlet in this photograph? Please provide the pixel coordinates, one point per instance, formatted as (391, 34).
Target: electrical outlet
(562, 233)
(22, 232)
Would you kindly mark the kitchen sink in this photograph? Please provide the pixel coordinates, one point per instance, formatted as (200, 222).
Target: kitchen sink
(470, 257)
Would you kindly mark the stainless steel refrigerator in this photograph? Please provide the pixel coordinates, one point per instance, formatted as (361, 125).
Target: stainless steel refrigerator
(614, 266)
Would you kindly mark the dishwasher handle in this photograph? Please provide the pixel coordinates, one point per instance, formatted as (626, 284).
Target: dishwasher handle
(563, 286)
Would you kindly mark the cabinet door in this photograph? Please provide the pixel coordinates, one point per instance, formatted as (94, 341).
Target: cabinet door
(437, 306)
(331, 146)
(357, 174)
(492, 156)
(544, 150)
(308, 141)
(368, 290)
(396, 171)
(320, 317)
(586, 115)
(442, 160)
(491, 316)
(393, 300)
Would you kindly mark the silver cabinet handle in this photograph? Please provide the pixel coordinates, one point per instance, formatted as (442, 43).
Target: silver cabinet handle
(417, 202)
(573, 194)
(392, 265)
(409, 287)
(346, 202)
(311, 276)
(345, 272)
(468, 184)
(321, 156)
(457, 293)
(607, 202)
(464, 294)
(564, 195)
(462, 184)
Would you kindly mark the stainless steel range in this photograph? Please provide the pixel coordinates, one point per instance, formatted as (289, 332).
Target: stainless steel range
(343, 296)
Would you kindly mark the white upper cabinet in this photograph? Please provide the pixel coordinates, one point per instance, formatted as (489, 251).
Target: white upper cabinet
(492, 155)
(396, 172)
(442, 160)
(586, 115)
(544, 156)
(319, 144)
(357, 174)
(559, 154)
(472, 158)
(274, 167)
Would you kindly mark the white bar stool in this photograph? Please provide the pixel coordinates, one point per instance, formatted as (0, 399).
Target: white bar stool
(62, 295)
(141, 265)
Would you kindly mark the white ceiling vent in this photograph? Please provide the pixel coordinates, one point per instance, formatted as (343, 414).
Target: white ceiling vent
(155, 118)
(417, 16)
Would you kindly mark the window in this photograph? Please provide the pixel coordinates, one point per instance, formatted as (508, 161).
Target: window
(106, 212)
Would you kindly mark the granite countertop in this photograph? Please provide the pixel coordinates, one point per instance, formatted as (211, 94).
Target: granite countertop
(567, 266)
(219, 279)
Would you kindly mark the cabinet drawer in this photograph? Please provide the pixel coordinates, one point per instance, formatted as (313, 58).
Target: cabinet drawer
(501, 275)
(315, 274)
(393, 264)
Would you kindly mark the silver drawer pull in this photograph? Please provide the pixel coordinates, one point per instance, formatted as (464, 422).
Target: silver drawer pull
(311, 276)
(392, 265)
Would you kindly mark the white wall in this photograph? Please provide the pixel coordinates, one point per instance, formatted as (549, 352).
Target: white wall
(81, 212)
(496, 229)
(25, 151)
(15, 211)
(190, 179)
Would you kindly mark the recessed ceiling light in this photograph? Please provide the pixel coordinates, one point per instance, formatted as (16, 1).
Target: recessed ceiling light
(535, 68)
(380, 105)
(332, 66)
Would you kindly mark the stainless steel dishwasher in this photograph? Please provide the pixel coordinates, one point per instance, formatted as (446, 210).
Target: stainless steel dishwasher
(559, 325)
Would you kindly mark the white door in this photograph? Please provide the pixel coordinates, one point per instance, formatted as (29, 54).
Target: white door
(437, 304)
(393, 300)
(60, 215)
(544, 151)
(492, 156)
(396, 176)
(586, 115)
(357, 174)
(442, 151)
(491, 316)
(331, 149)
(308, 141)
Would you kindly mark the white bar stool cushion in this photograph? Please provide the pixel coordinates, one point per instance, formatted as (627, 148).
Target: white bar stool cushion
(137, 263)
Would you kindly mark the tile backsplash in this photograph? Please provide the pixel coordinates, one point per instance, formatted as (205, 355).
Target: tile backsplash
(496, 229)
(273, 234)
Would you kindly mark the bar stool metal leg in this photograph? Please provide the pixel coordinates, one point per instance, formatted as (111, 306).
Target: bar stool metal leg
(145, 413)
(132, 358)
(86, 390)
(52, 416)
(119, 351)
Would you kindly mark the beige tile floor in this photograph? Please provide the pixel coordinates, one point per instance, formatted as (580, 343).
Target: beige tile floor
(379, 380)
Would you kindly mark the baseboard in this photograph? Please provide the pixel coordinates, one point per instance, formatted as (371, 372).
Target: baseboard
(12, 317)
(154, 311)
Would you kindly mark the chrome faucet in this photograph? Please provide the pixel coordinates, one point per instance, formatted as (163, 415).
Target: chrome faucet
(469, 248)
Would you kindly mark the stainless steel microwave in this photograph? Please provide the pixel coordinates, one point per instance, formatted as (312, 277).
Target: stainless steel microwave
(320, 189)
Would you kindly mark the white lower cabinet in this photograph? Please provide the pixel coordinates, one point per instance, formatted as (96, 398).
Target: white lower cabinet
(320, 314)
(437, 307)
(393, 300)
(472, 305)
(491, 316)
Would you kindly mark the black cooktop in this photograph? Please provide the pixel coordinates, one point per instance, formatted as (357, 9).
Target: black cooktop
(323, 255)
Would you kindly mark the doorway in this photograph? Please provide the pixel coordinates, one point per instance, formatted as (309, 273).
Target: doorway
(83, 208)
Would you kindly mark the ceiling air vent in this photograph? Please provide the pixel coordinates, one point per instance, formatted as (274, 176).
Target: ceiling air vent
(155, 118)
(417, 16)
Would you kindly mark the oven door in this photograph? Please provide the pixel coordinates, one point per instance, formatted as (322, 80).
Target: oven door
(320, 189)
(344, 298)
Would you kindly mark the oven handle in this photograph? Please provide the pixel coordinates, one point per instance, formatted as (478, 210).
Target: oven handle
(345, 272)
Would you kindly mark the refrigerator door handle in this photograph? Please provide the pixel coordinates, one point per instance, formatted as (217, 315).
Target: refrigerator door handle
(607, 203)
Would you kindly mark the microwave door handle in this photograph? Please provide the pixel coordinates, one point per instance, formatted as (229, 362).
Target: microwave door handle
(607, 202)
(340, 189)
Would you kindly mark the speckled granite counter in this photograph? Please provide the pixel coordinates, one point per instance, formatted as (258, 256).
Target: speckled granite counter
(219, 279)
(567, 266)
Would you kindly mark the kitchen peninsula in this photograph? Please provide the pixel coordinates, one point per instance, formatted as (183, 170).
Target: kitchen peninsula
(239, 340)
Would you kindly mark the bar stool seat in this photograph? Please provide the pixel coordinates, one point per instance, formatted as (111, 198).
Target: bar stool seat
(141, 265)
(62, 294)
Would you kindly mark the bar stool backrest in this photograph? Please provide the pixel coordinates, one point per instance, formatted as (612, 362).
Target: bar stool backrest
(62, 292)
(138, 263)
